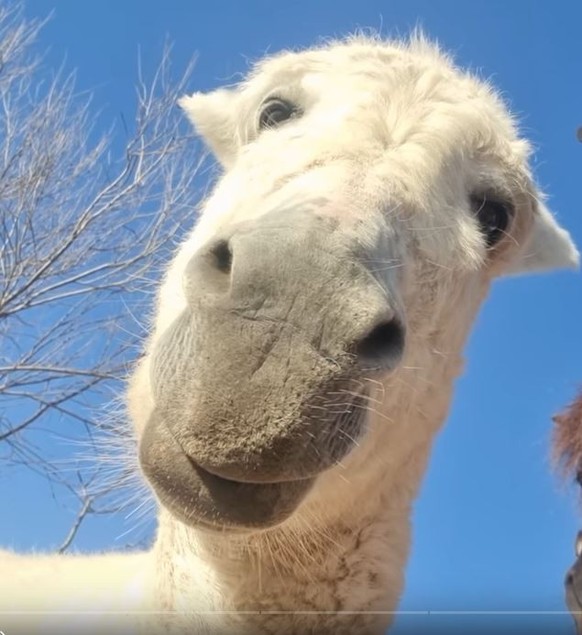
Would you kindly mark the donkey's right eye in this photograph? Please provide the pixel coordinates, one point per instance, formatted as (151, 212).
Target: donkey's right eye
(276, 111)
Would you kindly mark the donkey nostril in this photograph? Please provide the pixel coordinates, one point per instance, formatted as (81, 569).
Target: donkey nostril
(385, 342)
(208, 271)
(223, 256)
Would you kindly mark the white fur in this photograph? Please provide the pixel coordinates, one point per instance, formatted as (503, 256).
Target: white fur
(391, 135)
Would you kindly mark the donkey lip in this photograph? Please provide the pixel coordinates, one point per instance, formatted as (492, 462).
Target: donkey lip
(249, 482)
(295, 459)
(225, 503)
(199, 498)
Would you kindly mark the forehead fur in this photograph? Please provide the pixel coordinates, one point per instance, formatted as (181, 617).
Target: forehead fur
(401, 108)
(407, 72)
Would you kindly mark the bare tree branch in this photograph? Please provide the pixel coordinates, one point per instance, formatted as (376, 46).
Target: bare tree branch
(81, 227)
(83, 512)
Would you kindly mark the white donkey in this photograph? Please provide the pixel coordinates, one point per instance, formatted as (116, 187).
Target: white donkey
(306, 341)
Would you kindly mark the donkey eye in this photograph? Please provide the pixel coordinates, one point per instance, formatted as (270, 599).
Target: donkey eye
(494, 217)
(275, 111)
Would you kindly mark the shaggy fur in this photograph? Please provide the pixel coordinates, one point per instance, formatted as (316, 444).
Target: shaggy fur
(567, 439)
(389, 147)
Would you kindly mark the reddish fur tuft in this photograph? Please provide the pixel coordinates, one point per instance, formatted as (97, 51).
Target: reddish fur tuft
(567, 438)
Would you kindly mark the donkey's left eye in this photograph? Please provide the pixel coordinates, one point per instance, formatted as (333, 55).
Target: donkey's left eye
(275, 111)
(494, 217)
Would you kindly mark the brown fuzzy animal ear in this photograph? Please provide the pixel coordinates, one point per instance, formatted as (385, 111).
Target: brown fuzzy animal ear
(567, 440)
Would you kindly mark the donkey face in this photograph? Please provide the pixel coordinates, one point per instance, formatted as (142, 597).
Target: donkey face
(370, 193)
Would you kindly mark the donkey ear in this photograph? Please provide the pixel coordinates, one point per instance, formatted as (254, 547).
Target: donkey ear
(548, 246)
(211, 115)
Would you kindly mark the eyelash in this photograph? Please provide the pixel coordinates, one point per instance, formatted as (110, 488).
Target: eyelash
(493, 215)
(276, 111)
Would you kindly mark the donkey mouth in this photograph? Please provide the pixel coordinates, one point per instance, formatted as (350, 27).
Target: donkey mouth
(247, 479)
(202, 496)
(246, 504)
(204, 499)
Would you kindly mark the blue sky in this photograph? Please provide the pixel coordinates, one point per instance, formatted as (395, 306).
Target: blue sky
(493, 527)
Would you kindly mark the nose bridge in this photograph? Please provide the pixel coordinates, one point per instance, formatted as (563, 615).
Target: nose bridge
(297, 269)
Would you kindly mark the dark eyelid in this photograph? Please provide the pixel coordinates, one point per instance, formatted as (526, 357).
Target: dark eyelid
(478, 198)
(294, 109)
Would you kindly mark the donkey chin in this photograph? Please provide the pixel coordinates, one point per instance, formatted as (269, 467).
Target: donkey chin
(254, 481)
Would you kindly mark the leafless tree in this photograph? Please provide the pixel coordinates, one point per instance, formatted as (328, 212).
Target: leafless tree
(82, 234)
